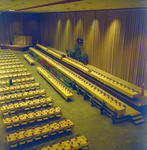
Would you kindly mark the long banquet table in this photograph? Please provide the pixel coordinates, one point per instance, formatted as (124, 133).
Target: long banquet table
(29, 59)
(102, 96)
(49, 51)
(102, 78)
(64, 91)
(118, 86)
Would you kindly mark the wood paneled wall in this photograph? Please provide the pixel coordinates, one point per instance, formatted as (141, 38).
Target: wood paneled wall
(116, 41)
(19, 24)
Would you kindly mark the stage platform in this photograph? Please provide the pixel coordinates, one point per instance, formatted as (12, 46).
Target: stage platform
(16, 47)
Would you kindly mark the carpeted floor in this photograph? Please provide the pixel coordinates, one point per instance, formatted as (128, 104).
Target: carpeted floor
(88, 121)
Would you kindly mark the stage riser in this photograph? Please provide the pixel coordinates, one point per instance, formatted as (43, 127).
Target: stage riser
(15, 48)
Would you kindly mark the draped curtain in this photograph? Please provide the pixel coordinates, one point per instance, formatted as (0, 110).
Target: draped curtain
(115, 41)
(19, 24)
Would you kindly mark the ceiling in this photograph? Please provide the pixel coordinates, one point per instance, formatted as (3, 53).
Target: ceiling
(43, 6)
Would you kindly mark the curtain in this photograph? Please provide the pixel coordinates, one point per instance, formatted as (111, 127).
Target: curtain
(115, 41)
(19, 24)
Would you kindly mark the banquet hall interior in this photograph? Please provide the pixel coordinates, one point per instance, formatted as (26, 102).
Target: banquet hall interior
(73, 75)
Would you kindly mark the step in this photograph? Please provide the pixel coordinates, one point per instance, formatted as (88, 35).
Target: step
(108, 110)
(137, 117)
(139, 121)
(109, 115)
(135, 114)
(122, 119)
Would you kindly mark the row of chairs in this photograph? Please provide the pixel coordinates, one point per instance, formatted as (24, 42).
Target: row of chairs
(20, 96)
(15, 75)
(29, 122)
(16, 70)
(20, 88)
(8, 57)
(11, 67)
(32, 120)
(11, 63)
(18, 81)
(9, 60)
(38, 137)
(68, 138)
(26, 108)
